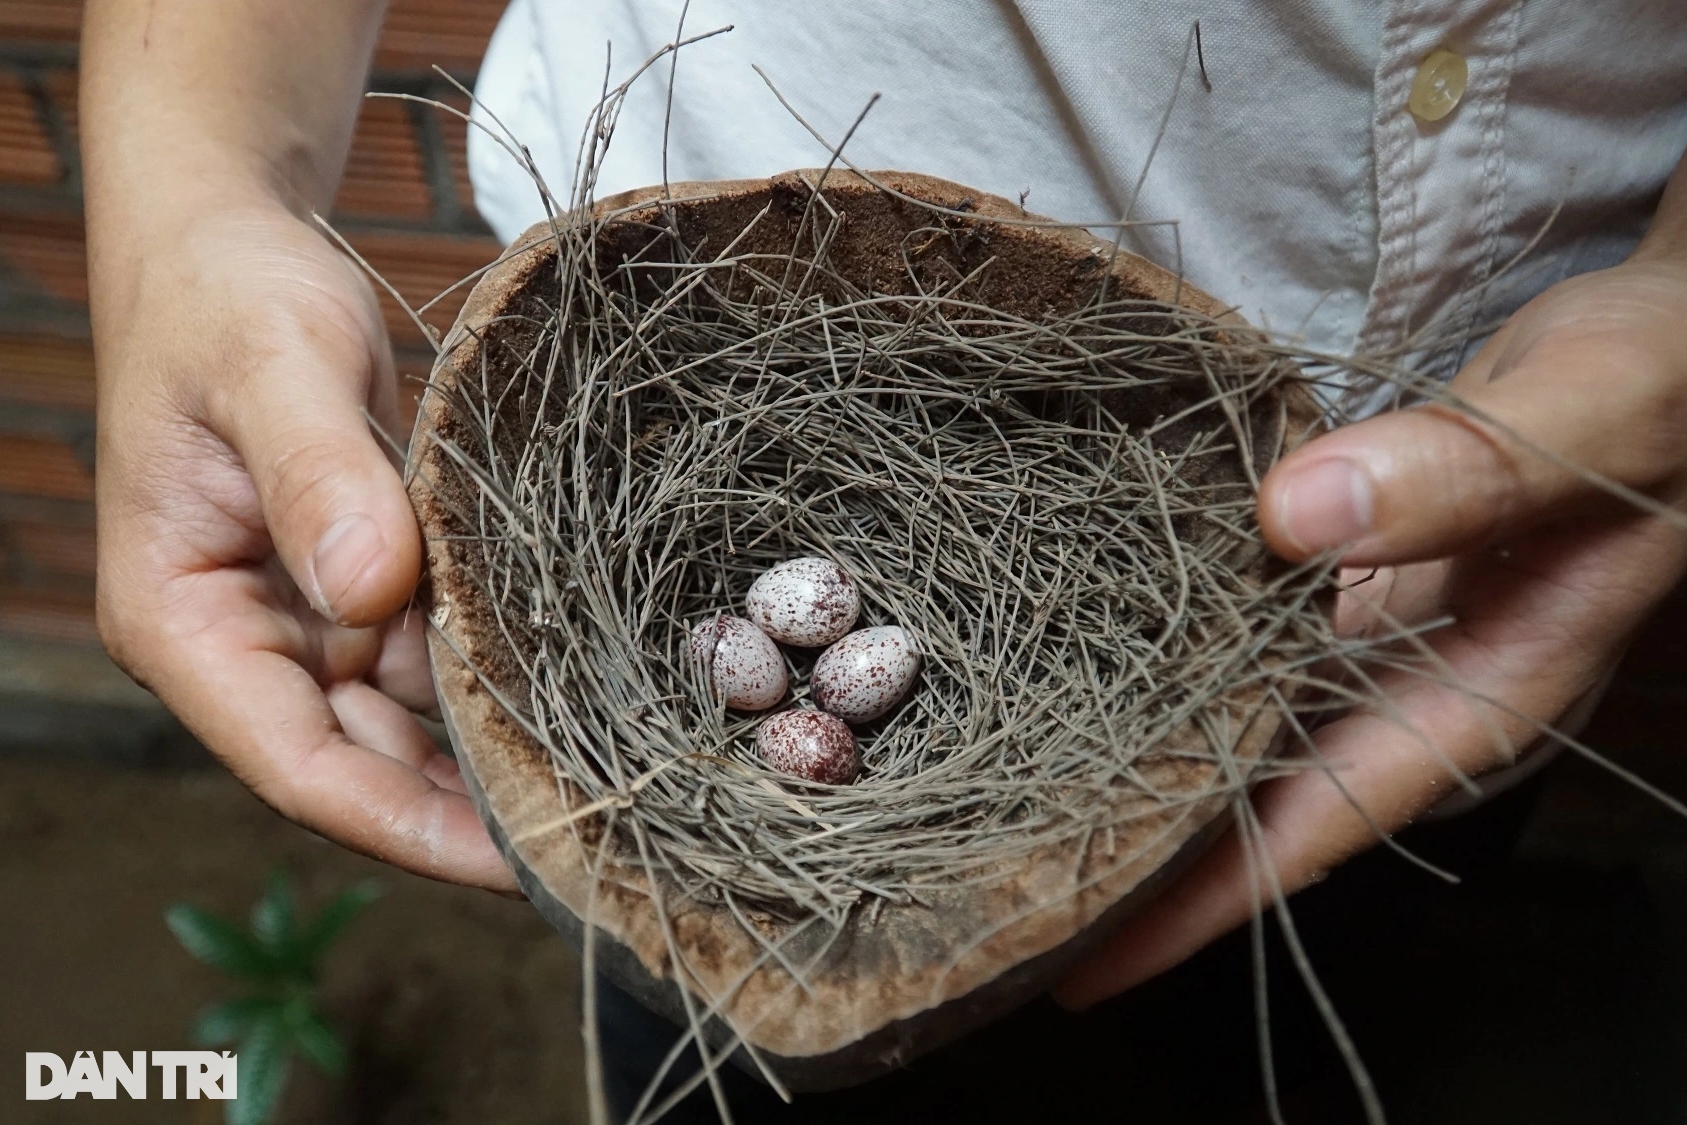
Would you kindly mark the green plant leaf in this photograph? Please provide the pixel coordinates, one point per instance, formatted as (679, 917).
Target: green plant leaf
(315, 1040)
(334, 918)
(264, 1063)
(228, 1021)
(217, 942)
(272, 917)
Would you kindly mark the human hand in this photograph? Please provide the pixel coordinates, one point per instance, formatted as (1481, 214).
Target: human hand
(1545, 576)
(257, 549)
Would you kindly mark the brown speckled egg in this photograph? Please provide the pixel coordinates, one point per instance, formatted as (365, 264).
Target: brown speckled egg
(811, 745)
(865, 674)
(745, 667)
(805, 602)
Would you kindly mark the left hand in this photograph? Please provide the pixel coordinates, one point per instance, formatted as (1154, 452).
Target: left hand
(1545, 576)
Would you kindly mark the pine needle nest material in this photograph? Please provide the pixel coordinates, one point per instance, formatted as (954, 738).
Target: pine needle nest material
(1036, 454)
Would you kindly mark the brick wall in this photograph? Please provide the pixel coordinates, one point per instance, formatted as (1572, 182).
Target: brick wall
(405, 204)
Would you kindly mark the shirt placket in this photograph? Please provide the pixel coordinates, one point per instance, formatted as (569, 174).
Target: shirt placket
(1440, 184)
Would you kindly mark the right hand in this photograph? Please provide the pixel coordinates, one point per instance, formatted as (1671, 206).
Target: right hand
(257, 551)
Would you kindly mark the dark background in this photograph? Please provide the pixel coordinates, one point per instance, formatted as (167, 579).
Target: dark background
(1550, 987)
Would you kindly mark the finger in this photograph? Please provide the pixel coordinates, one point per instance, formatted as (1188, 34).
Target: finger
(403, 803)
(334, 504)
(221, 667)
(392, 656)
(370, 718)
(1378, 602)
(1437, 480)
(402, 670)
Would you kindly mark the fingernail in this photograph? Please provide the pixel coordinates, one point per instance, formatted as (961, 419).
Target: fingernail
(1327, 504)
(345, 551)
(1072, 999)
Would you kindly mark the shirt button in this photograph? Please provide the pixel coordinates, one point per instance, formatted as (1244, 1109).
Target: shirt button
(1438, 86)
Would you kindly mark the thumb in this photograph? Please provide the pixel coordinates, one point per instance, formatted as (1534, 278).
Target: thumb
(1440, 479)
(335, 505)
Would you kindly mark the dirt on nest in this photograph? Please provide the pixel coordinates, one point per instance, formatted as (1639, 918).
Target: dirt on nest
(457, 1005)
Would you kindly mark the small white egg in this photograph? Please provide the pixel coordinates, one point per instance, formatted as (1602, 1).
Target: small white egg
(811, 745)
(805, 602)
(865, 674)
(745, 667)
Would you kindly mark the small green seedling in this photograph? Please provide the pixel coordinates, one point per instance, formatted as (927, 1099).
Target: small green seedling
(277, 1018)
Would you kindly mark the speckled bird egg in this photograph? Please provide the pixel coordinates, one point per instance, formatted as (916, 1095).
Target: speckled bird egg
(865, 674)
(745, 667)
(811, 745)
(805, 602)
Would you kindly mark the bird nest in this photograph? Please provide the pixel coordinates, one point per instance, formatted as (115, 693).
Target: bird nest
(1036, 454)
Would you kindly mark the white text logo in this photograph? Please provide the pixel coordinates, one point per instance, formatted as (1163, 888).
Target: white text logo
(203, 1074)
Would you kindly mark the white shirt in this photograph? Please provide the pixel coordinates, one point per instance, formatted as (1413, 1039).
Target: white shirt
(1305, 191)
